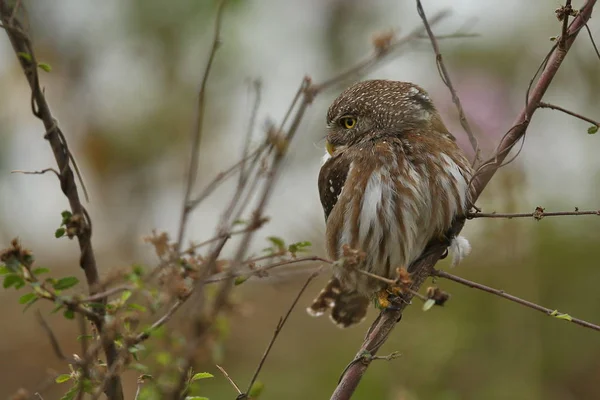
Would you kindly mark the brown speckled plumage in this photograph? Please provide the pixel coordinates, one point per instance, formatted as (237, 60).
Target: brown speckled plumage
(393, 182)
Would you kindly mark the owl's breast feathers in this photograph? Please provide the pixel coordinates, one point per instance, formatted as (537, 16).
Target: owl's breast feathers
(390, 197)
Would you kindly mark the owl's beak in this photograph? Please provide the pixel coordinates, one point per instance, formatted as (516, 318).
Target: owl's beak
(330, 148)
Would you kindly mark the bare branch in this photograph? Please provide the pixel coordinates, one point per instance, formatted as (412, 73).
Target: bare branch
(278, 329)
(41, 172)
(526, 303)
(192, 169)
(53, 341)
(236, 387)
(538, 214)
(446, 79)
(574, 114)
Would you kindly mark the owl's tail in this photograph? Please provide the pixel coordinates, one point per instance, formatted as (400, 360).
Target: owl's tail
(347, 307)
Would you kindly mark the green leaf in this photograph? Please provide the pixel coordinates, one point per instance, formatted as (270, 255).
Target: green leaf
(45, 66)
(80, 337)
(125, 296)
(32, 302)
(69, 314)
(136, 307)
(65, 283)
(277, 242)
(41, 270)
(240, 279)
(4, 270)
(592, 129)
(201, 375)
(13, 280)
(428, 304)
(62, 378)
(24, 56)
(70, 395)
(60, 232)
(257, 388)
(298, 247)
(26, 298)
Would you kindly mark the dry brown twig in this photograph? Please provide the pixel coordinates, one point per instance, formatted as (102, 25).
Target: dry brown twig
(423, 268)
(571, 113)
(515, 299)
(446, 79)
(538, 214)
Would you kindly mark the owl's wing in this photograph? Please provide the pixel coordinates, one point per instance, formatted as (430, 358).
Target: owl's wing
(332, 178)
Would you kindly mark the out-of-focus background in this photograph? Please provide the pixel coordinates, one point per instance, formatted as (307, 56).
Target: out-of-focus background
(123, 86)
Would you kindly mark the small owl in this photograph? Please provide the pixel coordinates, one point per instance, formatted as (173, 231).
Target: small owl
(393, 180)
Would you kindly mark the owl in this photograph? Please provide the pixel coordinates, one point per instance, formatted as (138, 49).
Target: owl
(393, 180)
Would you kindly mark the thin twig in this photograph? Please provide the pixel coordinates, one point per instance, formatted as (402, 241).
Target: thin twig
(192, 169)
(53, 341)
(538, 214)
(236, 387)
(263, 269)
(278, 329)
(518, 300)
(446, 79)
(592, 40)
(574, 114)
(41, 172)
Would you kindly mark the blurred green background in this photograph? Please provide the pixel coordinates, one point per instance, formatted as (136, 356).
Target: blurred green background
(123, 87)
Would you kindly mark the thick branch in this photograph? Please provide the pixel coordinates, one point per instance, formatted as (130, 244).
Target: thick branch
(422, 268)
(21, 44)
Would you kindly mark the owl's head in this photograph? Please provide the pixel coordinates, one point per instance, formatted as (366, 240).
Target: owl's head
(374, 108)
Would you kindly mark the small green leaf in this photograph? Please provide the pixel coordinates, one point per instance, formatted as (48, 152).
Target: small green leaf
(69, 314)
(240, 279)
(240, 222)
(80, 337)
(125, 296)
(428, 304)
(25, 56)
(277, 242)
(566, 317)
(136, 307)
(13, 280)
(65, 283)
(32, 302)
(45, 66)
(201, 375)
(592, 129)
(4, 270)
(62, 378)
(41, 270)
(60, 232)
(71, 393)
(26, 298)
(256, 389)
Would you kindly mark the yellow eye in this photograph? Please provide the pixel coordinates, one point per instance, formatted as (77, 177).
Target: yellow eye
(348, 122)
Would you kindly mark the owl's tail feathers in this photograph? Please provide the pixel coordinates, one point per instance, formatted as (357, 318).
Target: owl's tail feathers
(347, 307)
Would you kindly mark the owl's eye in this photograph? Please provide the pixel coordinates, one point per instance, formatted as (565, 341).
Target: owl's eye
(348, 122)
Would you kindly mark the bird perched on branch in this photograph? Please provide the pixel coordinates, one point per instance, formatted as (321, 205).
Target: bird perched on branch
(393, 180)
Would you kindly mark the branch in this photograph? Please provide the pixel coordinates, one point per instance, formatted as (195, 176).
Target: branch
(446, 79)
(574, 114)
(278, 329)
(538, 214)
(529, 304)
(423, 267)
(192, 169)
